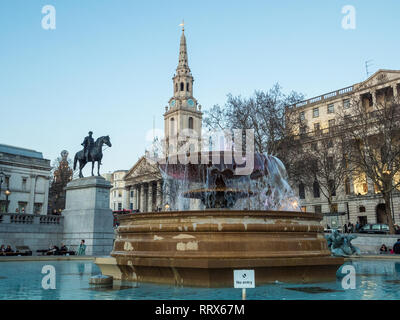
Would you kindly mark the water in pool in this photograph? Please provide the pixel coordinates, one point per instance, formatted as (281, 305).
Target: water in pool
(23, 280)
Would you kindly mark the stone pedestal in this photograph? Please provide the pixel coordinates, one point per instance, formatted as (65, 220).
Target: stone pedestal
(88, 216)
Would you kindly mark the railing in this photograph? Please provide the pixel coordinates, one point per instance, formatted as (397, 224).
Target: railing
(326, 96)
(18, 218)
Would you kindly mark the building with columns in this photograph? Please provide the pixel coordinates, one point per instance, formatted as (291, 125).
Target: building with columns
(143, 182)
(26, 175)
(356, 199)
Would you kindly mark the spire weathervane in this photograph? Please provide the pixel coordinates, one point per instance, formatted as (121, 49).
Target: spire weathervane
(182, 25)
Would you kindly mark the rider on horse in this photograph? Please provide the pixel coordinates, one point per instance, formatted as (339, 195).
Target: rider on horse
(88, 145)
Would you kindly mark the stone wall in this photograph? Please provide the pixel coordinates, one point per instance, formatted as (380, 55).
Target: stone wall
(370, 244)
(35, 231)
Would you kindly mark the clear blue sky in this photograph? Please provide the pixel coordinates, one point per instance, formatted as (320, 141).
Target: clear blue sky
(108, 65)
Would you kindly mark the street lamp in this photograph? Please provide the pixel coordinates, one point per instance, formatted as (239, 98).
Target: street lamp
(7, 193)
(166, 206)
(2, 176)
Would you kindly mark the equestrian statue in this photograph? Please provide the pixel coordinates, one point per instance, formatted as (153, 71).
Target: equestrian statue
(92, 152)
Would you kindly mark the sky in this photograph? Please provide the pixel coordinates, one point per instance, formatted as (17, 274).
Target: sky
(108, 64)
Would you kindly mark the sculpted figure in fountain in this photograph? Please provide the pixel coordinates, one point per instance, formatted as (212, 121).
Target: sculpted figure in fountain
(340, 244)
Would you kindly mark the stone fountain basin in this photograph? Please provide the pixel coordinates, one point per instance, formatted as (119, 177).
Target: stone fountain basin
(202, 248)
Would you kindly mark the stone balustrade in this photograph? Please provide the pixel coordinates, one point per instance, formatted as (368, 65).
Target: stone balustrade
(18, 218)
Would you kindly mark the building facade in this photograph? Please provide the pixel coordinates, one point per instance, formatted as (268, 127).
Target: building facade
(118, 194)
(357, 198)
(144, 185)
(26, 176)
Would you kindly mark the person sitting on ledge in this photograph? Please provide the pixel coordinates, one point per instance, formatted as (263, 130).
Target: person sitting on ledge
(8, 249)
(396, 247)
(53, 251)
(383, 249)
(2, 250)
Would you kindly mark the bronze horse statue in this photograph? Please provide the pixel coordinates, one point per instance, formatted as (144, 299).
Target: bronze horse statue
(95, 154)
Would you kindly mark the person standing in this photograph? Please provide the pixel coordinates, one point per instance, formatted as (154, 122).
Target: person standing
(396, 247)
(81, 249)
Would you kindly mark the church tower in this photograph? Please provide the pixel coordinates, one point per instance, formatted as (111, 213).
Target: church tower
(183, 111)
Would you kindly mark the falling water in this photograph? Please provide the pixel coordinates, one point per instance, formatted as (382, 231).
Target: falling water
(267, 188)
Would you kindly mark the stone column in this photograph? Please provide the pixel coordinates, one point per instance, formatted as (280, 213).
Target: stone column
(30, 207)
(150, 197)
(128, 197)
(374, 99)
(142, 198)
(46, 195)
(134, 199)
(395, 90)
(159, 195)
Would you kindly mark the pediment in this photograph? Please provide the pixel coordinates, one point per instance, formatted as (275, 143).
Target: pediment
(380, 77)
(143, 169)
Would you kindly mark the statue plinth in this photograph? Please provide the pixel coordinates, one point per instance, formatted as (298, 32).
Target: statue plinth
(88, 216)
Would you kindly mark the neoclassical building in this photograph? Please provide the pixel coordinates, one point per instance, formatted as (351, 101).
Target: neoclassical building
(26, 174)
(357, 198)
(143, 182)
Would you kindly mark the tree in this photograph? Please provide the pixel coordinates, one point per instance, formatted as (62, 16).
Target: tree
(324, 164)
(62, 173)
(267, 113)
(373, 125)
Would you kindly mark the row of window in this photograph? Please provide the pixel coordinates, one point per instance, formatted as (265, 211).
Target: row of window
(172, 125)
(316, 189)
(330, 109)
(182, 86)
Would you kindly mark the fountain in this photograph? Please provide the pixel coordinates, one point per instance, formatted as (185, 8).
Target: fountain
(249, 221)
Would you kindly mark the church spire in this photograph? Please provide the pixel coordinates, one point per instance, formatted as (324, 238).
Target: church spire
(183, 65)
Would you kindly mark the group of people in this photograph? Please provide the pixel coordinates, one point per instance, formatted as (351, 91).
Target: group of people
(63, 249)
(4, 250)
(351, 228)
(395, 250)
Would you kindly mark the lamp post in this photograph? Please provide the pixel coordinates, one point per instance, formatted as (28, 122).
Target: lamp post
(167, 207)
(2, 175)
(7, 193)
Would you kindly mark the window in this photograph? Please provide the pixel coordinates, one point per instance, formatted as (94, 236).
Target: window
(331, 123)
(24, 184)
(346, 103)
(302, 116)
(182, 86)
(119, 193)
(332, 189)
(37, 208)
(334, 207)
(317, 126)
(315, 112)
(131, 206)
(131, 193)
(330, 163)
(22, 206)
(302, 130)
(361, 209)
(347, 186)
(187, 86)
(331, 108)
(314, 146)
(318, 209)
(190, 123)
(316, 189)
(302, 193)
(119, 206)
